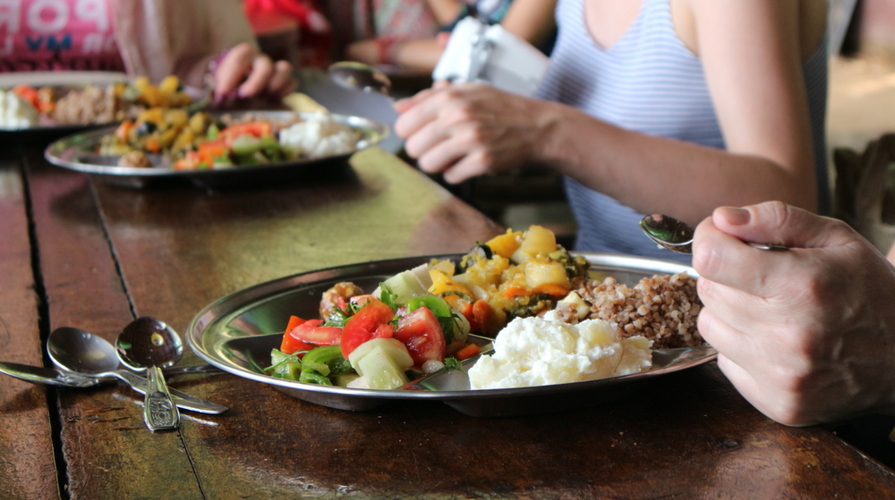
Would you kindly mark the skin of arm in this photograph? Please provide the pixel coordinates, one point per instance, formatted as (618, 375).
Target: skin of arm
(805, 335)
(750, 52)
(531, 20)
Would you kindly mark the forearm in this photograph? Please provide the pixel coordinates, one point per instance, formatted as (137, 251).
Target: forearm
(654, 174)
(416, 55)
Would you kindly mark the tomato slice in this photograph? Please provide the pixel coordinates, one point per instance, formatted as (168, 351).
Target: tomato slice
(312, 333)
(364, 324)
(257, 129)
(421, 333)
(290, 344)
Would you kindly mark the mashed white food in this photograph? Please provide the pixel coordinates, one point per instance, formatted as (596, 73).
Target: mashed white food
(541, 351)
(319, 135)
(15, 112)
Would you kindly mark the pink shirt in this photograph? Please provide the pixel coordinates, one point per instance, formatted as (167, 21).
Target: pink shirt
(41, 35)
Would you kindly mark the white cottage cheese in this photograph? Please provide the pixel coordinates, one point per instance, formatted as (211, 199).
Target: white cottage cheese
(318, 136)
(15, 112)
(541, 351)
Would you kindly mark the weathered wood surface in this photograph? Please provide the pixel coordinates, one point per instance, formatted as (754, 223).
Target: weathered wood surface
(109, 253)
(27, 468)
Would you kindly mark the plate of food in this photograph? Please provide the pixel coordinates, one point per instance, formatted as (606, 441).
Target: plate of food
(517, 326)
(215, 149)
(34, 109)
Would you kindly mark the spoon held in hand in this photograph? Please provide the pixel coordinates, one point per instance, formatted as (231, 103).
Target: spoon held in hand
(677, 236)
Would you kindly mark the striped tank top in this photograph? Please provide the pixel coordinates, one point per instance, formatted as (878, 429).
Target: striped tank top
(648, 82)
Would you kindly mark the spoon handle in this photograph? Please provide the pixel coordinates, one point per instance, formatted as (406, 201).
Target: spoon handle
(159, 412)
(48, 376)
(181, 399)
(189, 370)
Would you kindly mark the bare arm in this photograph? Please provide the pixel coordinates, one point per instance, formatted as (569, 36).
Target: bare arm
(750, 52)
(758, 93)
(531, 20)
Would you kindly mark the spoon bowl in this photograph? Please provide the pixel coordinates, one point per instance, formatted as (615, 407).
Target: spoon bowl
(668, 232)
(677, 236)
(359, 76)
(149, 344)
(81, 353)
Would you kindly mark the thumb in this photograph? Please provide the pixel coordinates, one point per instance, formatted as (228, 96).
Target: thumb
(777, 223)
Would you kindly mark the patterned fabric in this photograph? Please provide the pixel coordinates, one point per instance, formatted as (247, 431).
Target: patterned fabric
(649, 82)
(39, 35)
(404, 19)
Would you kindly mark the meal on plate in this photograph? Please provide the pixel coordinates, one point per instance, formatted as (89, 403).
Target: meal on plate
(203, 141)
(551, 322)
(25, 106)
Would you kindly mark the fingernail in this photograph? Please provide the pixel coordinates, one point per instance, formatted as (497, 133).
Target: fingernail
(735, 216)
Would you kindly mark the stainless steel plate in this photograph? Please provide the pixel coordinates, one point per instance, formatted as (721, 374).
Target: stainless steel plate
(237, 332)
(47, 130)
(79, 152)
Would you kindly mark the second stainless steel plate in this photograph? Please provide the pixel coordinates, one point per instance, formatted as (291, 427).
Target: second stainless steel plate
(79, 152)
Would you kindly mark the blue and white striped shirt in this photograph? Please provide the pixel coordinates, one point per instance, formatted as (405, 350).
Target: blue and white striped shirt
(649, 82)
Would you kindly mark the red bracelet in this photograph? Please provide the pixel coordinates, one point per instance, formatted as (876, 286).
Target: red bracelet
(386, 48)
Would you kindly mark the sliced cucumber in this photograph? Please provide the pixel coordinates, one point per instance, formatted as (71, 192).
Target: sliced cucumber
(380, 370)
(393, 347)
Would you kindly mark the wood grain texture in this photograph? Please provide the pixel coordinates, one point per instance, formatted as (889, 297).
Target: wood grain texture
(27, 465)
(685, 435)
(109, 453)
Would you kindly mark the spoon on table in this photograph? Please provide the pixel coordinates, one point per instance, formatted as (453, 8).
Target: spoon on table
(677, 236)
(90, 356)
(359, 76)
(149, 344)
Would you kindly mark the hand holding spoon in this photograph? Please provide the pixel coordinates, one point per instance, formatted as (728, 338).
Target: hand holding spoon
(149, 344)
(677, 236)
(82, 353)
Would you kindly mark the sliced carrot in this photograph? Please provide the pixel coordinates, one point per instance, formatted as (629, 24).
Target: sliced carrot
(548, 288)
(470, 317)
(467, 352)
(152, 145)
(122, 131)
(482, 313)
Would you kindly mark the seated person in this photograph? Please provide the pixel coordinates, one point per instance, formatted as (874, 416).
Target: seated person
(198, 40)
(649, 106)
(524, 18)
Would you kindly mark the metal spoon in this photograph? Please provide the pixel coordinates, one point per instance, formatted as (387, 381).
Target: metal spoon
(677, 236)
(149, 344)
(82, 353)
(360, 76)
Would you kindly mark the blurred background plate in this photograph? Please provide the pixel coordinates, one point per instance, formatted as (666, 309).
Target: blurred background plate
(63, 82)
(237, 332)
(79, 152)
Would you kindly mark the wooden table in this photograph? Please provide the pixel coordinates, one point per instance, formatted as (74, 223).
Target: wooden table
(77, 252)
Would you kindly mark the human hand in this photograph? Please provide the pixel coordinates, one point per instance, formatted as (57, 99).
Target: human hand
(248, 73)
(471, 129)
(805, 335)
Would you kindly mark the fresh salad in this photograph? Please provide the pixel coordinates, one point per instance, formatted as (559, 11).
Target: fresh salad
(419, 321)
(204, 141)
